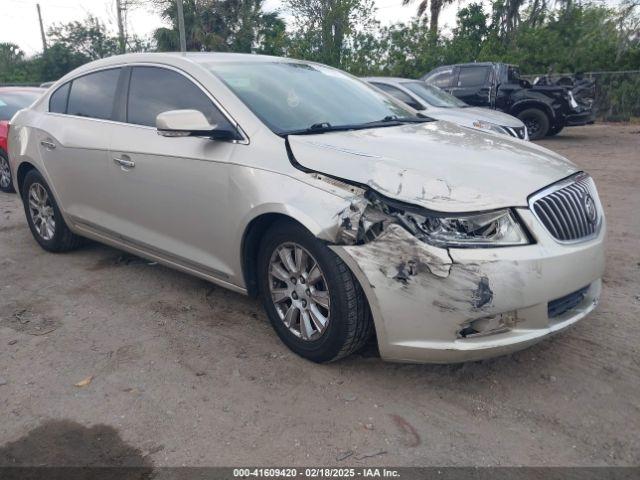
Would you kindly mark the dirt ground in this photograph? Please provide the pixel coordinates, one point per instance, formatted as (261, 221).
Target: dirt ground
(186, 373)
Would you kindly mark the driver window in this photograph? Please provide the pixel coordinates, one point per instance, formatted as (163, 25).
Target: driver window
(153, 90)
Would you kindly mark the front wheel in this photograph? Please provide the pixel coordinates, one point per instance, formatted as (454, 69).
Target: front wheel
(6, 183)
(536, 121)
(315, 304)
(553, 131)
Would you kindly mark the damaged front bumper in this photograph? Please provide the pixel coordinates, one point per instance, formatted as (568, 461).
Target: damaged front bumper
(438, 305)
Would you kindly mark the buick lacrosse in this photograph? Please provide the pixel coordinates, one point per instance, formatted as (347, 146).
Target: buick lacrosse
(349, 213)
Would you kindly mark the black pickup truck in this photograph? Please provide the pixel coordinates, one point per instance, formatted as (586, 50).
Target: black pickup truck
(545, 110)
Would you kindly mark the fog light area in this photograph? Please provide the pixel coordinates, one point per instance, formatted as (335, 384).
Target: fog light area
(489, 325)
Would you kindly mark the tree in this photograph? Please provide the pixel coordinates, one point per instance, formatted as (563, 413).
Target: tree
(322, 28)
(13, 68)
(221, 25)
(435, 8)
(469, 35)
(89, 38)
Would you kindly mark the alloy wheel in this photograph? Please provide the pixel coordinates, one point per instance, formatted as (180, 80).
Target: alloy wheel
(5, 173)
(533, 126)
(41, 211)
(299, 291)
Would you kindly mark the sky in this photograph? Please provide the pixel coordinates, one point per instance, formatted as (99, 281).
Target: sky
(19, 18)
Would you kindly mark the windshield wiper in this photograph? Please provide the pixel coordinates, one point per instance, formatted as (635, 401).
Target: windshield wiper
(388, 121)
(399, 120)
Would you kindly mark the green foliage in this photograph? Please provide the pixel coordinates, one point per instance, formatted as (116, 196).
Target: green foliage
(222, 26)
(13, 67)
(328, 30)
(537, 35)
(583, 37)
(88, 38)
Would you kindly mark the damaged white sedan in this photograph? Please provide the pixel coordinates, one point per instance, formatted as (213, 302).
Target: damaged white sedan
(347, 212)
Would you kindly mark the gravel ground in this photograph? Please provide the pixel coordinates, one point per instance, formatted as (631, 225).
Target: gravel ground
(178, 372)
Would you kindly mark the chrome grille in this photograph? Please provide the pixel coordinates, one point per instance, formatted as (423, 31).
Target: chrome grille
(570, 210)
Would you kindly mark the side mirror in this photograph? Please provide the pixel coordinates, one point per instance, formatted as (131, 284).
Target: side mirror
(190, 123)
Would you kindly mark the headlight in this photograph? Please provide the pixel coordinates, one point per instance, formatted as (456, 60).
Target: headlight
(572, 100)
(498, 228)
(481, 124)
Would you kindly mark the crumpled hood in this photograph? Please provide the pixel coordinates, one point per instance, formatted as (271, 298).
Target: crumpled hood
(437, 165)
(466, 116)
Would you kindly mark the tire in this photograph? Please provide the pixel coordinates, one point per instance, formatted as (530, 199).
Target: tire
(6, 182)
(536, 121)
(53, 236)
(554, 131)
(348, 323)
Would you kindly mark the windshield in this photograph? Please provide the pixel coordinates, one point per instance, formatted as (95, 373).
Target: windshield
(290, 96)
(11, 102)
(433, 95)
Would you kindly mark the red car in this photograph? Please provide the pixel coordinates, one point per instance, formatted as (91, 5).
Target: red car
(12, 99)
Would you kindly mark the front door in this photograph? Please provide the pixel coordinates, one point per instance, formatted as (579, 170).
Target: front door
(170, 195)
(473, 85)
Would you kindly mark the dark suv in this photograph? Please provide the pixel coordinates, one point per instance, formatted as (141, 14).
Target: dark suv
(545, 110)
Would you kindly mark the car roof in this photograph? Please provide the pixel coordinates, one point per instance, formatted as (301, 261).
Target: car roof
(176, 59)
(192, 57)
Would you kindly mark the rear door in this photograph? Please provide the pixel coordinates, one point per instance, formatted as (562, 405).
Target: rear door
(73, 139)
(170, 195)
(473, 85)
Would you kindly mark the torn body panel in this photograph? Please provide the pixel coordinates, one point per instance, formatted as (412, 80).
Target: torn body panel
(436, 305)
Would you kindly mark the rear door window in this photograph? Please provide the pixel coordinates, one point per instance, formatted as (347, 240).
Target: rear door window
(440, 78)
(473, 76)
(154, 90)
(93, 95)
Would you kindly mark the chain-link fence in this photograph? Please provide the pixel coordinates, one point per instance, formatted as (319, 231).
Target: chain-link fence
(614, 96)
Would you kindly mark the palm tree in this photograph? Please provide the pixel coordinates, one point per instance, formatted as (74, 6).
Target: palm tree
(506, 14)
(435, 7)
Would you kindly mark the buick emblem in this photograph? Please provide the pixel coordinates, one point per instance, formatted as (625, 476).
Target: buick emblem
(590, 208)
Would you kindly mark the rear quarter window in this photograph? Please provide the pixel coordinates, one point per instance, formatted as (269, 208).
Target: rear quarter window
(58, 99)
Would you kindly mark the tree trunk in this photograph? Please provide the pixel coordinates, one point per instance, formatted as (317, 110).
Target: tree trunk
(434, 8)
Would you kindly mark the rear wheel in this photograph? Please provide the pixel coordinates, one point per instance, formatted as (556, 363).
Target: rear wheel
(43, 216)
(6, 183)
(313, 301)
(536, 121)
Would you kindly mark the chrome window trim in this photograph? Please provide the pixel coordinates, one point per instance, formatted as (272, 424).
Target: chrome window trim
(245, 138)
(576, 177)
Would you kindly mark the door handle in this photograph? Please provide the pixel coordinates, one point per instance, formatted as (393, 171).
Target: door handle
(47, 144)
(124, 162)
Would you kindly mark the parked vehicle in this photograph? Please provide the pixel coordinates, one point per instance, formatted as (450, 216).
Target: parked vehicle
(582, 89)
(440, 105)
(334, 202)
(545, 110)
(12, 99)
